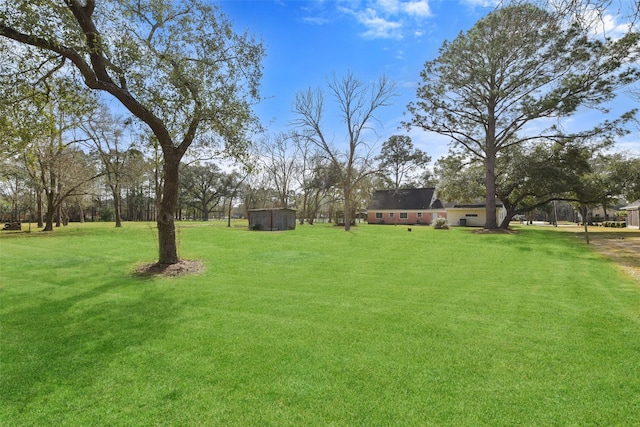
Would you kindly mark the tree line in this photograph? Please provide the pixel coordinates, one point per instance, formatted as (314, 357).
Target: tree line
(101, 167)
(187, 80)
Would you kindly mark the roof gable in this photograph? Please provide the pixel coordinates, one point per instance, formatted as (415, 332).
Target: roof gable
(631, 207)
(408, 199)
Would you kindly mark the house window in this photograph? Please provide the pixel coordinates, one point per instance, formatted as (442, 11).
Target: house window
(419, 214)
(471, 215)
(378, 215)
(403, 215)
(390, 214)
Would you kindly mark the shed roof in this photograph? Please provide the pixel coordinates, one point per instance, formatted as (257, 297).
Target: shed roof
(272, 209)
(631, 207)
(409, 199)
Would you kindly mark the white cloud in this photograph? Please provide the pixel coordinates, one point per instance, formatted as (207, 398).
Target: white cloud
(387, 19)
(482, 3)
(377, 26)
(389, 6)
(608, 25)
(417, 8)
(316, 20)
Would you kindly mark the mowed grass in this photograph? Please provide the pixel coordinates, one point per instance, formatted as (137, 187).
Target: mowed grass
(314, 327)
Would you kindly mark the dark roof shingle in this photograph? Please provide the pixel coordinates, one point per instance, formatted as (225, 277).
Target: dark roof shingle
(409, 199)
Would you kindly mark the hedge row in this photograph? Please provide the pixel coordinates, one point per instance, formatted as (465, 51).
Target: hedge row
(614, 224)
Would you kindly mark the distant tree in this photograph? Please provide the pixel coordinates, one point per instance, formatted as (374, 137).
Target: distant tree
(258, 193)
(460, 178)
(49, 150)
(401, 161)
(526, 180)
(278, 158)
(515, 67)
(357, 103)
(178, 67)
(203, 187)
(531, 178)
(313, 177)
(105, 134)
(15, 189)
(233, 183)
(624, 175)
(62, 171)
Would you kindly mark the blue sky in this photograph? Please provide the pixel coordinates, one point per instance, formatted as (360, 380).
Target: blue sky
(309, 41)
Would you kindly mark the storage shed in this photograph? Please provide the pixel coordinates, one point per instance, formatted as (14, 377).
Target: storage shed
(633, 215)
(274, 219)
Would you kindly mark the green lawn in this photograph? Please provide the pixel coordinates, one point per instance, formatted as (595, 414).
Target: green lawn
(317, 326)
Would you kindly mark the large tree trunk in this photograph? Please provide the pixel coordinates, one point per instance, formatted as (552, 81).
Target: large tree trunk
(490, 203)
(48, 221)
(168, 250)
(506, 221)
(115, 191)
(49, 216)
(205, 211)
(347, 206)
(584, 210)
(39, 213)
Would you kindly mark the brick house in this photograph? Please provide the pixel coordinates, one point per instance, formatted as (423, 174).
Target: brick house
(422, 206)
(405, 206)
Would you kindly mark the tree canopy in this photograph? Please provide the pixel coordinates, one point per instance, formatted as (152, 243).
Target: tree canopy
(401, 161)
(178, 67)
(519, 65)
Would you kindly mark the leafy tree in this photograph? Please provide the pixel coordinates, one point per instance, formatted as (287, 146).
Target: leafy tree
(14, 190)
(459, 178)
(177, 66)
(62, 171)
(357, 103)
(624, 175)
(401, 160)
(203, 187)
(534, 177)
(56, 165)
(526, 180)
(517, 66)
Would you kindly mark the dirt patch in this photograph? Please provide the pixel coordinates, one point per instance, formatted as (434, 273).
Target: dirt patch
(624, 251)
(494, 231)
(622, 247)
(182, 268)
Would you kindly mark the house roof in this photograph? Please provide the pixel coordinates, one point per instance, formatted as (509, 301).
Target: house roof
(479, 205)
(409, 199)
(632, 207)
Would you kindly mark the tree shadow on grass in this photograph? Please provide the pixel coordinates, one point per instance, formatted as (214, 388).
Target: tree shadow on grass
(67, 342)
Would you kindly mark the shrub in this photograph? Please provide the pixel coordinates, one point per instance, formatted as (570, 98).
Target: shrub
(441, 224)
(107, 214)
(614, 224)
